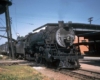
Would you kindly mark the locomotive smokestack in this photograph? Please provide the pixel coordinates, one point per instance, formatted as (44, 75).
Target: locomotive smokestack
(61, 23)
(69, 24)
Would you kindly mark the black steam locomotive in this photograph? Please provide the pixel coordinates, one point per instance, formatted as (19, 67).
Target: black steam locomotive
(51, 46)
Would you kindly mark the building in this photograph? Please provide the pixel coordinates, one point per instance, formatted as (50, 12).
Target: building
(79, 28)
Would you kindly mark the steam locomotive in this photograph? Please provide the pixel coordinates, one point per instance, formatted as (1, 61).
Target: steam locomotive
(51, 46)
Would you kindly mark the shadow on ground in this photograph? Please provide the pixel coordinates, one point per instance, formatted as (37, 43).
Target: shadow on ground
(91, 62)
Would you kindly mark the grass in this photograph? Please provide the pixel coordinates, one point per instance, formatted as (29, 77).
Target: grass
(18, 72)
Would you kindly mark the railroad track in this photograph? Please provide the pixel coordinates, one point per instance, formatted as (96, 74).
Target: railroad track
(13, 62)
(81, 74)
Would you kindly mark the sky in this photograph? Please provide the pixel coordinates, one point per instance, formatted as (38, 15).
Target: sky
(30, 14)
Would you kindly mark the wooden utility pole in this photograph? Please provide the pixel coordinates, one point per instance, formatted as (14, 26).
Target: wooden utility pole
(9, 34)
(4, 4)
(90, 20)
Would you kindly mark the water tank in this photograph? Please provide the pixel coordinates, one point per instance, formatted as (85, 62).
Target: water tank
(3, 4)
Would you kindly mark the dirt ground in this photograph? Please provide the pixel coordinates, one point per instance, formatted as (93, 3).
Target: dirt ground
(90, 67)
(54, 75)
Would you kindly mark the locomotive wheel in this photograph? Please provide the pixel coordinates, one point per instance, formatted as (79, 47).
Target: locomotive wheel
(56, 64)
(27, 56)
(16, 56)
(24, 57)
(43, 61)
(76, 64)
(49, 64)
(36, 58)
(46, 63)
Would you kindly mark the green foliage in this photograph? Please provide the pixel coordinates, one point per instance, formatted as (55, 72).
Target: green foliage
(8, 77)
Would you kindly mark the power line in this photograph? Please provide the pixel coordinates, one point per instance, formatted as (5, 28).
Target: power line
(27, 23)
(3, 35)
(96, 19)
(2, 24)
(35, 15)
(13, 27)
(2, 28)
(2, 20)
(15, 17)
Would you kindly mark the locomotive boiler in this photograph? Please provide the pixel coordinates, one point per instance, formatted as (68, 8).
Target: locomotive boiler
(53, 45)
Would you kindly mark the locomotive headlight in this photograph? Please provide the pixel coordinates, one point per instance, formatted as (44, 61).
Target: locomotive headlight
(68, 37)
